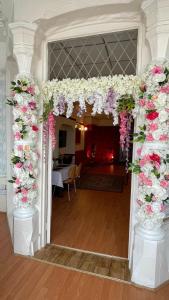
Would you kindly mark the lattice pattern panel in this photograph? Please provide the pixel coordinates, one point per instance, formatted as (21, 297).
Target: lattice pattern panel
(100, 55)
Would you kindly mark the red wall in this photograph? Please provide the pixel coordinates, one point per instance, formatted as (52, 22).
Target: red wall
(105, 140)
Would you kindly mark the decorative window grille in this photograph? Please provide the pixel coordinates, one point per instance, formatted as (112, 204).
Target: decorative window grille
(99, 55)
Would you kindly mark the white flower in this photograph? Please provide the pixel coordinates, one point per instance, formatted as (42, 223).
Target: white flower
(161, 100)
(163, 116)
(159, 77)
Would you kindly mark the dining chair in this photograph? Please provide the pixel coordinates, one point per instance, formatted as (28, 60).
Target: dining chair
(78, 170)
(71, 179)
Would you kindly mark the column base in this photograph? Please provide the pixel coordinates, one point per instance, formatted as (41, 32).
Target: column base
(25, 230)
(150, 267)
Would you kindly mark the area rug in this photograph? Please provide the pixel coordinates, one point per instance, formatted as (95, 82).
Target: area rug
(101, 182)
(86, 262)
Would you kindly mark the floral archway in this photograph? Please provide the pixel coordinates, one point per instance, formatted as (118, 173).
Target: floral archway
(124, 97)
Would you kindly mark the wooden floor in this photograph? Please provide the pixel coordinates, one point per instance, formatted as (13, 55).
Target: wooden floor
(97, 221)
(22, 278)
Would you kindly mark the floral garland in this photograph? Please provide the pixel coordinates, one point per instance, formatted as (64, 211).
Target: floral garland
(24, 157)
(109, 95)
(152, 166)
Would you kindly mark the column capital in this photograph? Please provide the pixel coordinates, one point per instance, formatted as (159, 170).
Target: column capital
(23, 44)
(156, 14)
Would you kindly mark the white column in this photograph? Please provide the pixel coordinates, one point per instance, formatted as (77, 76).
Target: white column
(23, 44)
(150, 254)
(26, 219)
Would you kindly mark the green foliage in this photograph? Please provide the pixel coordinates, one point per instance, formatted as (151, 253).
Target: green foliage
(148, 198)
(48, 107)
(155, 172)
(134, 167)
(126, 103)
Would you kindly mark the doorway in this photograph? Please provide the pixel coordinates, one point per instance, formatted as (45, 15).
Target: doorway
(100, 55)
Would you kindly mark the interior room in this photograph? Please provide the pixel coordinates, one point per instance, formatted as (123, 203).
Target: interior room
(100, 202)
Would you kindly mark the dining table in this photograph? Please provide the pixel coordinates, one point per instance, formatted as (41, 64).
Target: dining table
(59, 175)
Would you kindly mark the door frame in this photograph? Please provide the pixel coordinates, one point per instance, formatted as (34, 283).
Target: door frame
(73, 32)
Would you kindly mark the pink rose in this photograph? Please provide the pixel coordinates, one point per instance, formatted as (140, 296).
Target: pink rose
(34, 186)
(24, 109)
(20, 147)
(157, 70)
(164, 183)
(165, 89)
(30, 167)
(17, 135)
(32, 105)
(139, 151)
(164, 137)
(24, 199)
(31, 90)
(153, 126)
(141, 102)
(18, 165)
(150, 105)
(17, 181)
(24, 191)
(149, 137)
(148, 209)
(139, 202)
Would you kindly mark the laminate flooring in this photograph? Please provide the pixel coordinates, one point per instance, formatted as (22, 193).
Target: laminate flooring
(22, 278)
(96, 221)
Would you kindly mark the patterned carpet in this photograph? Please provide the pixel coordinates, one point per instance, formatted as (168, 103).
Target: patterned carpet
(95, 264)
(101, 182)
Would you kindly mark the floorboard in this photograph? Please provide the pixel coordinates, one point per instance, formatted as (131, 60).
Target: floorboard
(96, 221)
(22, 278)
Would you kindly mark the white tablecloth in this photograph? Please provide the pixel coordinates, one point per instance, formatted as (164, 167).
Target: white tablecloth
(59, 176)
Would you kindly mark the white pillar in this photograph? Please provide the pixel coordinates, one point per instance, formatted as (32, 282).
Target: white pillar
(26, 219)
(150, 254)
(23, 44)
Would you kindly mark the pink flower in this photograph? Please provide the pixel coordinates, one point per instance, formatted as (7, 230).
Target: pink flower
(141, 102)
(164, 137)
(17, 135)
(24, 109)
(17, 181)
(144, 179)
(139, 151)
(157, 70)
(31, 90)
(32, 105)
(149, 137)
(24, 191)
(51, 122)
(20, 147)
(150, 105)
(162, 207)
(153, 126)
(139, 202)
(24, 199)
(18, 165)
(164, 183)
(148, 209)
(34, 186)
(165, 89)
(30, 167)
(154, 198)
(144, 160)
